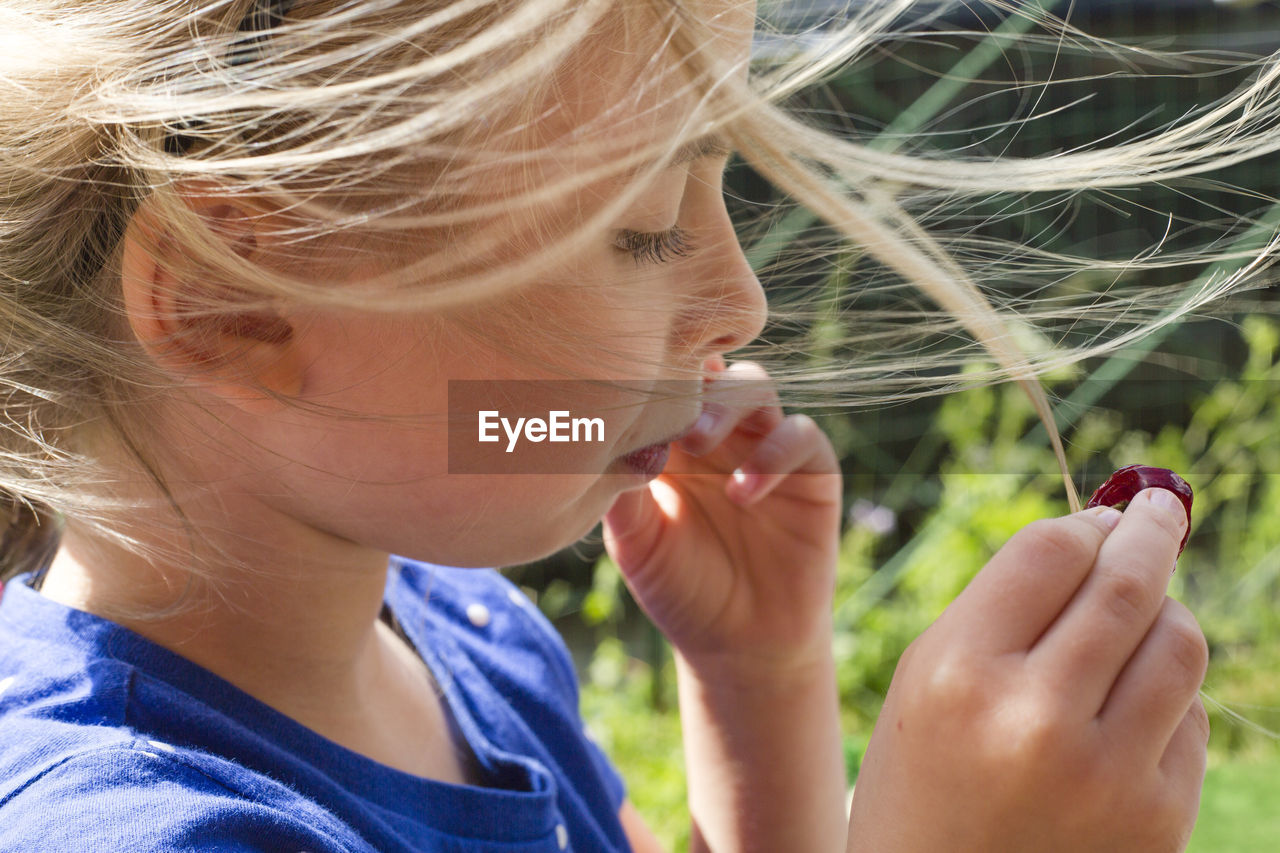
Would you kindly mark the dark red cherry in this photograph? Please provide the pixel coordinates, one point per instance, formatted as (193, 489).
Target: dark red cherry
(1121, 486)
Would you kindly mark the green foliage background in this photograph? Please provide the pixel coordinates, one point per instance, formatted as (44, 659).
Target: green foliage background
(893, 583)
(958, 475)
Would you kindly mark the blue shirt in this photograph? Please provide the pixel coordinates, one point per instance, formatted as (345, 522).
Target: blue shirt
(110, 743)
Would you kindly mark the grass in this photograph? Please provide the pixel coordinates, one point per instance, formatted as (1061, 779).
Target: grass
(1240, 809)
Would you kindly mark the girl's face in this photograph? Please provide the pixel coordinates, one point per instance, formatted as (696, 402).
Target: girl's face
(658, 296)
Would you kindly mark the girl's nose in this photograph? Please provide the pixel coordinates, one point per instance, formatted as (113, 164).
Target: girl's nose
(732, 308)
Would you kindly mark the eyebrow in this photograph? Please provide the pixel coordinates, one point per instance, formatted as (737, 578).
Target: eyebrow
(712, 145)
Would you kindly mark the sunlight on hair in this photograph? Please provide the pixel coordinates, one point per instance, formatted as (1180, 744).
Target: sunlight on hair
(1230, 712)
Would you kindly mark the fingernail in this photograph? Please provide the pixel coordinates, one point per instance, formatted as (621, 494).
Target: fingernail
(744, 482)
(1108, 516)
(1168, 502)
(698, 441)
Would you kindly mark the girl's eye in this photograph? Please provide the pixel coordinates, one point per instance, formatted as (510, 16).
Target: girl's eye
(655, 247)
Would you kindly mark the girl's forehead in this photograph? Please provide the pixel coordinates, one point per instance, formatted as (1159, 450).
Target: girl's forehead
(626, 96)
(632, 87)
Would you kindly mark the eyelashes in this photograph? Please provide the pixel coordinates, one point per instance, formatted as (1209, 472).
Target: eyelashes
(655, 247)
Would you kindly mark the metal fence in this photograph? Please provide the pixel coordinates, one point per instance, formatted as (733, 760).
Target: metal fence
(1041, 94)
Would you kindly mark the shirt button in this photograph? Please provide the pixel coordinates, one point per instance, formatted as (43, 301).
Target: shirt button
(562, 836)
(478, 614)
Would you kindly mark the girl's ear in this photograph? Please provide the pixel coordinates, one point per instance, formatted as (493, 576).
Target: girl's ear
(192, 329)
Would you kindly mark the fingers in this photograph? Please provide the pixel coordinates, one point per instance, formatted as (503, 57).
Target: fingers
(1157, 685)
(1030, 581)
(629, 532)
(740, 398)
(743, 422)
(634, 527)
(1093, 639)
(797, 446)
(1172, 799)
(1183, 762)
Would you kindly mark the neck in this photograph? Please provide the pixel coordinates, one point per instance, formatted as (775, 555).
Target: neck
(293, 622)
(302, 636)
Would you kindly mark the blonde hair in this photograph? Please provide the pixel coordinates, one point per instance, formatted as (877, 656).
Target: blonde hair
(355, 121)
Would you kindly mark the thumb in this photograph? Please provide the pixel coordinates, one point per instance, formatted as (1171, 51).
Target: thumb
(632, 528)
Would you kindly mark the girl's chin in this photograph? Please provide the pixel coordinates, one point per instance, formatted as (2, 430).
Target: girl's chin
(508, 543)
(562, 532)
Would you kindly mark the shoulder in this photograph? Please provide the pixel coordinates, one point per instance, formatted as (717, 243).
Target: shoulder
(513, 674)
(148, 797)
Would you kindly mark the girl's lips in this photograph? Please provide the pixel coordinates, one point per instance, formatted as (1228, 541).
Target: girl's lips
(650, 460)
(647, 461)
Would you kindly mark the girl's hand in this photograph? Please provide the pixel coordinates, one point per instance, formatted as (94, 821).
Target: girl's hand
(737, 570)
(1053, 706)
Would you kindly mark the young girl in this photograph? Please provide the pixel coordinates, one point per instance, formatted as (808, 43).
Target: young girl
(250, 250)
